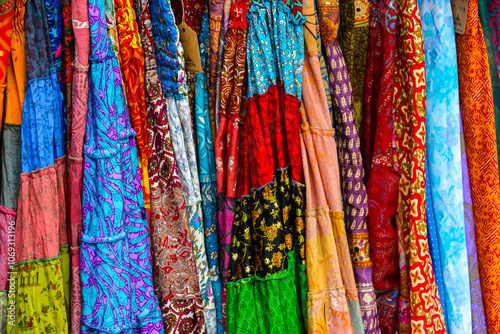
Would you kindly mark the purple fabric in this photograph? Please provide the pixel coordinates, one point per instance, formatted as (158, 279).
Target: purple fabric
(478, 320)
(353, 190)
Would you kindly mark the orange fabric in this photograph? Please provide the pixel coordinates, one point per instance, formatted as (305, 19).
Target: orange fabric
(16, 70)
(132, 68)
(476, 102)
(6, 25)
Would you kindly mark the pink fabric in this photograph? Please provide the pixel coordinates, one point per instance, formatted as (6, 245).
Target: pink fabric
(42, 212)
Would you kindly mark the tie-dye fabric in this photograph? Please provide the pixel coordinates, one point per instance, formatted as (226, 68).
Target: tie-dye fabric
(445, 166)
(115, 258)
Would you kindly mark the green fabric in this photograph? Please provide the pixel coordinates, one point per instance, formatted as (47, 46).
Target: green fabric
(273, 305)
(3, 311)
(42, 296)
(495, 79)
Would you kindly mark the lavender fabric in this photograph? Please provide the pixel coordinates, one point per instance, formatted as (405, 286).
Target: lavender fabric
(478, 320)
(115, 256)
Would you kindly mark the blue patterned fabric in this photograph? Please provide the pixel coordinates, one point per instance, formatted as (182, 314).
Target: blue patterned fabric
(444, 159)
(42, 126)
(281, 41)
(115, 257)
(433, 244)
(206, 166)
(41, 130)
(167, 50)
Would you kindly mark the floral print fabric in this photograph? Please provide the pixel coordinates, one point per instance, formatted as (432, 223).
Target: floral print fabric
(445, 167)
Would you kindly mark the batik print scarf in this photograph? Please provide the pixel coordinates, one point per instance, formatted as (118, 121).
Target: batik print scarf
(420, 307)
(476, 103)
(444, 158)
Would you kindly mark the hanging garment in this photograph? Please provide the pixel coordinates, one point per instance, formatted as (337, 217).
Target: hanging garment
(478, 319)
(6, 25)
(42, 264)
(354, 34)
(174, 268)
(174, 84)
(419, 301)
(208, 174)
(77, 119)
(267, 268)
(445, 167)
(173, 81)
(132, 70)
(382, 176)
(115, 252)
(354, 191)
(476, 103)
(10, 140)
(494, 13)
(233, 84)
(327, 308)
(183, 139)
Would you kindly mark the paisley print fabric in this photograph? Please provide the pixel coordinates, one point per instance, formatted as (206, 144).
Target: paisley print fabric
(476, 104)
(352, 172)
(116, 249)
(445, 167)
(423, 299)
(176, 280)
(478, 319)
(7, 233)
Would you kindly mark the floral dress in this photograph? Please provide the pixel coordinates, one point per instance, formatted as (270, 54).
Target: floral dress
(267, 255)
